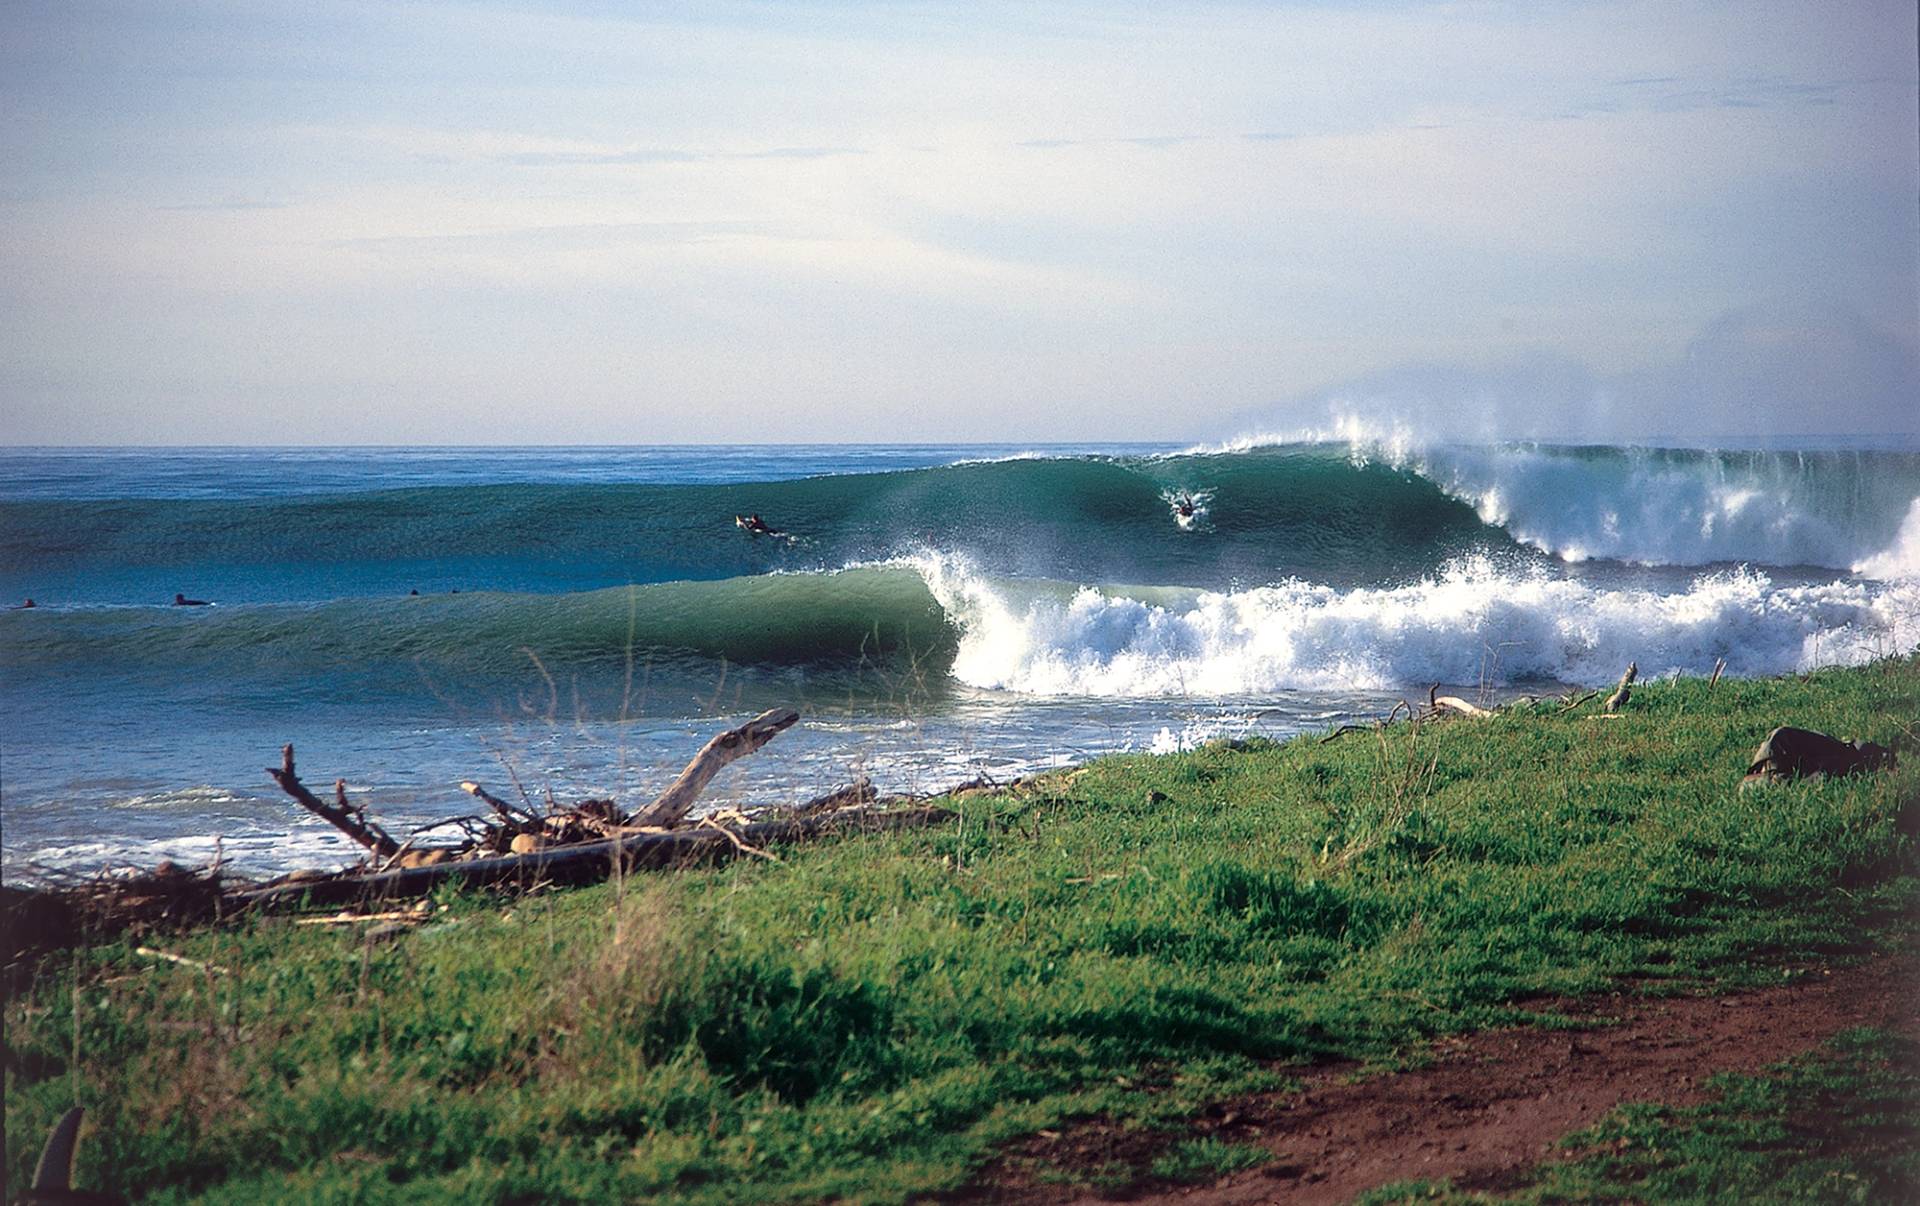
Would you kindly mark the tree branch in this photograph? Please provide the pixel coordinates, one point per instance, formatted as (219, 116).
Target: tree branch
(342, 816)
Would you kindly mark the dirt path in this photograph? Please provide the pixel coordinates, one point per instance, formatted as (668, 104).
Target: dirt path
(1491, 1105)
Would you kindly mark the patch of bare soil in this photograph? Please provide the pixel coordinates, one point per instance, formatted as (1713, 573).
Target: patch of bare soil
(1486, 1109)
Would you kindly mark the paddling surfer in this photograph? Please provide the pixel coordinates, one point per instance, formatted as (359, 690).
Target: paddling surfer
(753, 525)
(183, 601)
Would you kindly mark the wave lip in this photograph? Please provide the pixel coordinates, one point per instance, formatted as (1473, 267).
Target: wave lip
(1659, 506)
(1474, 623)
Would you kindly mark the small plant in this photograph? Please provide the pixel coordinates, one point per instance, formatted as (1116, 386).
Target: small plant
(1208, 1159)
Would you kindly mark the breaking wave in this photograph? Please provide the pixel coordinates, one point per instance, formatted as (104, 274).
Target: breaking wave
(1474, 623)
(1477, 620)
(1358, 509)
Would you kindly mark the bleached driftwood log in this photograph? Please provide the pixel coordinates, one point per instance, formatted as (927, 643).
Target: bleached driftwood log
(1452, 703)
(675, 802)
(1621, 693)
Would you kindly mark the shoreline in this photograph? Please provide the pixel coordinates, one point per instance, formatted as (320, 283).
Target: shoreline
(874, 1017)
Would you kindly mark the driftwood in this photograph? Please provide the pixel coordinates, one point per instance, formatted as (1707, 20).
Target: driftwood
(515, 819)
(341, 815)
(1623, 692)
(1452, 703)
(587, 841)
(524, 831)
(675, 802)
(860, 791)
(590, 862)
(147, 952)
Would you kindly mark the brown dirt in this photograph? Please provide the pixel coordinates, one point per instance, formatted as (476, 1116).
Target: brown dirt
(1486, 1109)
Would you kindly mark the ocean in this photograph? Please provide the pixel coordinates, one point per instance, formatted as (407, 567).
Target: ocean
(578, 620)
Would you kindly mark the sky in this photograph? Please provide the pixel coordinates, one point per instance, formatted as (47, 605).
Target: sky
(480, 223)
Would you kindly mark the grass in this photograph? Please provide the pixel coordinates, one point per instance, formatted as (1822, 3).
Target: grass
(1207, 1159)
(868, 1019)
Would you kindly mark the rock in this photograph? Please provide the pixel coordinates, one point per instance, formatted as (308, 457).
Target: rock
(1789, 753)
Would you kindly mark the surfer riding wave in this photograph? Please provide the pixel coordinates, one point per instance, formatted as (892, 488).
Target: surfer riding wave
(1189, 507)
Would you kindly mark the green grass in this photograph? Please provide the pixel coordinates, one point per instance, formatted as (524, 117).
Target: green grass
(1207, 1159)
(1839, 1125)
(869, 1018)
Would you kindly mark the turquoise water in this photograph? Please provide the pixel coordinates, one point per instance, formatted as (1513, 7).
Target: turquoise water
(583, 617)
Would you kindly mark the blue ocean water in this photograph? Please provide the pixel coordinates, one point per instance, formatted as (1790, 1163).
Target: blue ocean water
(579, 619)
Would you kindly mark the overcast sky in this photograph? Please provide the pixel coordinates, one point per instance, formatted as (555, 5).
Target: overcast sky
(383, 222)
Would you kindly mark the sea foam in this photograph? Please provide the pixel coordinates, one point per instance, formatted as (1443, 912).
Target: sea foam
(1476, 622)
(1902, 559)
(1658, 506)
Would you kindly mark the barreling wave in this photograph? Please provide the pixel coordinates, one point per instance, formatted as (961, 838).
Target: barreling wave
(1479, 620)
(1300, 511)
(1358, 510)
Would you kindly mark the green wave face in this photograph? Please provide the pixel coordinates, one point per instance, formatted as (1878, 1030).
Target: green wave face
(1345, 516)
(880, 613)
(1274, 513)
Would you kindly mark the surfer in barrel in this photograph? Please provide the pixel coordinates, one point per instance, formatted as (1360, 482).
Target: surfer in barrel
(753, 525)
(1188, 507)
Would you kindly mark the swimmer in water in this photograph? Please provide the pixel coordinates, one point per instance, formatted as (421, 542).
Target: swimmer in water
(183, 601)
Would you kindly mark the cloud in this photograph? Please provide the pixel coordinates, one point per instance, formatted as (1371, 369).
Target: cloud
(584, 232)
(217, 206)
(593, 158)
(1671, 94)
(795, 153)
(623, 158)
